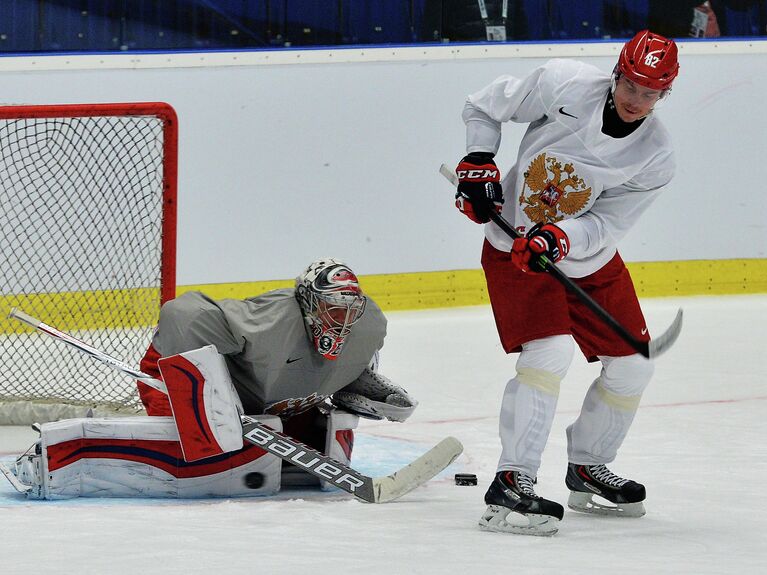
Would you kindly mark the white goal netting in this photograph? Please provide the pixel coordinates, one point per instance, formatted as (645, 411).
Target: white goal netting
(88, 235)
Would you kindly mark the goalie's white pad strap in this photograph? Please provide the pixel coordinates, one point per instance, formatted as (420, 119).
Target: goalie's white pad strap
(374, 396)
(338, 426)
(205, 405)
(339, 437)
(140, 457)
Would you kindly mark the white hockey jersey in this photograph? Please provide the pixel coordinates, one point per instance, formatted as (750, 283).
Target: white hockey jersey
(568, 172)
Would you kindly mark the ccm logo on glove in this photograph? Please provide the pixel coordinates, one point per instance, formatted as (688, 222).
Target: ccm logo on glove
(489, 175)
(479, 187)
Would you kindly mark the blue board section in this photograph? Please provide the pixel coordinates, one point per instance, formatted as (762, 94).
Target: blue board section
(116, 25)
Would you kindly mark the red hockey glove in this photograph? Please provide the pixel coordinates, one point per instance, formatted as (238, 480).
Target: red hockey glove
(479, 187)
(542, 240)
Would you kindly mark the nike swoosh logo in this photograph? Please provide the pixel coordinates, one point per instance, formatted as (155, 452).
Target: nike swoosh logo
(294, 359)
(562, 111)
(644, 331)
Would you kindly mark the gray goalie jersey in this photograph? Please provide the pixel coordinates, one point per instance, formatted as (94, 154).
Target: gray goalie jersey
(273, 363)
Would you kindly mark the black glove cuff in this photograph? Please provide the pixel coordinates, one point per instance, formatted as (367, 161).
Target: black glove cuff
(479, 157)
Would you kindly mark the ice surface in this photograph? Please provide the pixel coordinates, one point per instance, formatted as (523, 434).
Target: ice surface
(698, 444)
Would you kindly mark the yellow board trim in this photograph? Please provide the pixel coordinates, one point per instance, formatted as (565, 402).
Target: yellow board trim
(699, 277)
(83, 310)
(420, 290)
(406, 291)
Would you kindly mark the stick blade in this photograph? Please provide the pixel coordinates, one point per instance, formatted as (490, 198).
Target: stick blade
(449, 174)
(16, 313)
(418, 472)
(660, 345)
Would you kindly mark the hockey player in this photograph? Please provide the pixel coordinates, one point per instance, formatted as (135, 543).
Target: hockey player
(287, 350)
(302, 360)
(593, 159)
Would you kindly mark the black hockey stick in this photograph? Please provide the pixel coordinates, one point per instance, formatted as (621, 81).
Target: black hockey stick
(650, 349)
(370, 489)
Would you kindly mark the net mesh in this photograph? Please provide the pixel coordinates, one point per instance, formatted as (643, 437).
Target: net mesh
(82, 229)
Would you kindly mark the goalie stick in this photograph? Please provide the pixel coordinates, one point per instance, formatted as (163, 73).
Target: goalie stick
(370, 489)
(650, 350)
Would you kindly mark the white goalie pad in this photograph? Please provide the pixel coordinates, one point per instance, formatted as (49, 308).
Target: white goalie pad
(139, 457)
(374, 396)
(339, 428)
(205, 404)
(339, 438)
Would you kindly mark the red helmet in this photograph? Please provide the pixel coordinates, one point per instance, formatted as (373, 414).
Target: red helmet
(649, 60)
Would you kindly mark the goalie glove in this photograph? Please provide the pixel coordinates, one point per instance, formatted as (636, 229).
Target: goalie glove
(374, 396)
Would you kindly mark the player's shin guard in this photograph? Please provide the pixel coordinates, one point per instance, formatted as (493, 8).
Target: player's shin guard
(530, 401)
(608, 410)
(527, 412)
(139, 457)
(595, 437)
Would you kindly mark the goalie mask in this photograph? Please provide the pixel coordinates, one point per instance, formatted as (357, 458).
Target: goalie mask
(331, 301)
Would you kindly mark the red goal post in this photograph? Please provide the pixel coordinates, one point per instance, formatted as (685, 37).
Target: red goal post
(88, 229)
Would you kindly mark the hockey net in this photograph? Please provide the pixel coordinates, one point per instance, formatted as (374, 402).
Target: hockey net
(87, 228)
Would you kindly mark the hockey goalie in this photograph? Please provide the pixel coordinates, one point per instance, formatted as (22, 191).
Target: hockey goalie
(302, 361)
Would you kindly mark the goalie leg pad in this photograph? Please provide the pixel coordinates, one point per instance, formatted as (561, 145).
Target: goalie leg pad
(139, 457)
(205, 405)
(374, 396)
(337, 429)
(339, 438)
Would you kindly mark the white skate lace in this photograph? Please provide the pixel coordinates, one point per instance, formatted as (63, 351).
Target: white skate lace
(525, 484)
(601, 473)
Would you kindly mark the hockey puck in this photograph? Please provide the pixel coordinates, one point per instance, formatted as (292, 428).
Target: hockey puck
(254, 480)
(465, 479)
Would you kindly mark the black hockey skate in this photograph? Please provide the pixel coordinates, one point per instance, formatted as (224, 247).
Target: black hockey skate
(514, 507)
(618, 496)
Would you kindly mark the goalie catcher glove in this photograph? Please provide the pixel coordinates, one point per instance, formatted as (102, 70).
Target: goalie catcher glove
(374, 396)
(479, 187)
(542, 240)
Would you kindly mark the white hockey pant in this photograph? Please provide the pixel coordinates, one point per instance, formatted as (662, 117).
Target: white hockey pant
(530, 400)
(608, 409)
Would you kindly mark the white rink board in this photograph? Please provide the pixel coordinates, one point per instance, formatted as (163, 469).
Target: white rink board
(697, 444)
(283, 162)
